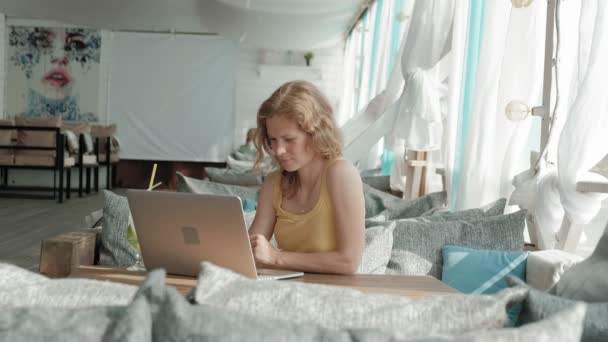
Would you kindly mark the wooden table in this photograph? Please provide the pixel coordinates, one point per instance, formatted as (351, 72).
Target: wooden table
(408, 286)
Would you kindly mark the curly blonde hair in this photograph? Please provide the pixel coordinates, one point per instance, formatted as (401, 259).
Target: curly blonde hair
(303, 103)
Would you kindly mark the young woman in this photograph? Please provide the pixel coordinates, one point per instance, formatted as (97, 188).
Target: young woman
(314, 203)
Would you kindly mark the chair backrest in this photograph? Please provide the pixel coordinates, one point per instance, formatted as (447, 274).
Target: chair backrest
(37, 138)
(79, 128)
(6, 136)
(103, 132)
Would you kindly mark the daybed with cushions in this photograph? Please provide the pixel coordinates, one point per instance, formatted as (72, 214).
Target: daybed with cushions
(401, 237)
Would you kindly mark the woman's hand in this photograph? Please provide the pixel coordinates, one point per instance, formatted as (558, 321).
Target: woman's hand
(263, 252)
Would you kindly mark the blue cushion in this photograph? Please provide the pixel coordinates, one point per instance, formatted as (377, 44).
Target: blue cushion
(250, 204)
(482, 271)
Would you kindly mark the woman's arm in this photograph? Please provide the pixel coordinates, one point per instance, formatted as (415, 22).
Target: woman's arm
(263, 223)
(346, 195)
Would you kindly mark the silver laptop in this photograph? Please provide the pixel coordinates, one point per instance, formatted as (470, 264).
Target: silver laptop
(177, 231)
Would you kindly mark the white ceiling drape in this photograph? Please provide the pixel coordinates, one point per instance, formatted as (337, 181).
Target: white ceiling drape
(281, 24)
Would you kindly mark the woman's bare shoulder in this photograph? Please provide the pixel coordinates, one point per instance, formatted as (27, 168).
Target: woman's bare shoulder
(342, 170)
(340, 166)
(271, 179)
(273, 176)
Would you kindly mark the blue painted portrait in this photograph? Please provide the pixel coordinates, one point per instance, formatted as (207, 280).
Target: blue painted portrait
(53, 71)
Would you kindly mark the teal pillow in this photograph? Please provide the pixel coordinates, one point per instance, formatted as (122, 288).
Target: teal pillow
(482, 271)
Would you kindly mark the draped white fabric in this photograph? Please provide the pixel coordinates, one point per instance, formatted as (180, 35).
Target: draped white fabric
(369, 88)
(419, 120)
(579, 138)
(347, 108)
(510, 68)
(454, 97)
(279, 24)
(584, 139)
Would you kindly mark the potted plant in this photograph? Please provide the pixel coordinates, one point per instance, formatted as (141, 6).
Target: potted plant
(308, 56)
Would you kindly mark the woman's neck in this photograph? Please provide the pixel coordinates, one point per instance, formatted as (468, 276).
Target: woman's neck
(311, 173)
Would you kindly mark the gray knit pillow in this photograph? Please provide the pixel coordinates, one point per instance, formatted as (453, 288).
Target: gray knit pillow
(228, 176)
(198, 186)
(115, 248)
(540, 305)
(343, 308)
(377, 201)
(492, 209)
(417, 245)
(27, 289)
(377, 251)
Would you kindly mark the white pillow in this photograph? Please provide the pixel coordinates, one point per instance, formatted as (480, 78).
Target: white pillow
(545, 268)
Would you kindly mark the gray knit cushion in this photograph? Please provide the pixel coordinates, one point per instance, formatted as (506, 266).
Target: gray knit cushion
(417, 245)
(276, 311)
(583, 281)
(11, 275)
(492, 209)
(343, 308)
(228, 176)
(566, 325)
(198, 186)
(540, 305)
(133, 322)
(377, 201)
(22, 288)
(115, 248)
(377, 251)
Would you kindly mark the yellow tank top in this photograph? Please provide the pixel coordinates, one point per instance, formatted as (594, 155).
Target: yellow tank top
(310, 232)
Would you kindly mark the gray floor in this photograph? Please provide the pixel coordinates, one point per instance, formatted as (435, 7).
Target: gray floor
(24, 223)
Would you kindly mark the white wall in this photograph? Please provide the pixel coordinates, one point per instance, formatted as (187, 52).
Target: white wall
(263, 71)
(183, 15)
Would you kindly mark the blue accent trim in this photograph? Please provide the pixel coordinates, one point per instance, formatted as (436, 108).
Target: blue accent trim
(474, 40)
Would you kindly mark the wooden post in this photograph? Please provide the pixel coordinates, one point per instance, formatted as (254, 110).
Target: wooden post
(415, 174)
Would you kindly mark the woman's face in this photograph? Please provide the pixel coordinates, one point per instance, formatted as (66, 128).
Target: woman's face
(289, 143)
(51, 57)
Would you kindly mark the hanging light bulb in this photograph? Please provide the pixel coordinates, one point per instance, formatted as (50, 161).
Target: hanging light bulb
(521, 3)
(517, 111)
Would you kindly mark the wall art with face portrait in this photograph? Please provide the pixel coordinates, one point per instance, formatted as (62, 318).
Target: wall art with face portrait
(53, 71)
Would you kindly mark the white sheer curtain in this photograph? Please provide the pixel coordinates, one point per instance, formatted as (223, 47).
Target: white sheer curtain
(510, 68)
(347, 100)
(370, 54)
(454, 98)
(584, 139)
(419, 120)
(580, 137)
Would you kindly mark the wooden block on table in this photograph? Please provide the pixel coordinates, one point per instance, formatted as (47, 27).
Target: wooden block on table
(62, 253)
